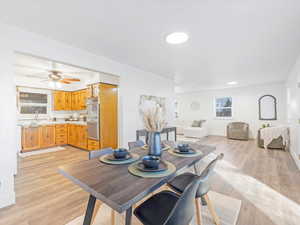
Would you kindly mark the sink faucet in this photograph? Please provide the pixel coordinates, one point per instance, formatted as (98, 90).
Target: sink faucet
(36, 116)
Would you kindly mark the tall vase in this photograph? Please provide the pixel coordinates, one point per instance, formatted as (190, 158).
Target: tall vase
(154, 143)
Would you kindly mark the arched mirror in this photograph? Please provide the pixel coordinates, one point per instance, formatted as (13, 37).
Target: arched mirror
(267, 107)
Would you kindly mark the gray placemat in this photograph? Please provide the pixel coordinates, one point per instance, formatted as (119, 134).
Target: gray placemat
(135, 171)
(198, 153)
(134, 158)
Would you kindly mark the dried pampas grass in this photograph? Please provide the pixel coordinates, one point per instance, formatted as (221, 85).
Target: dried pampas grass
(153, 119)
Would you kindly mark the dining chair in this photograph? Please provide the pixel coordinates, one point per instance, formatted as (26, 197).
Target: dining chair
(93, 155)
(135, 144)
(169, 208)
(180, 182)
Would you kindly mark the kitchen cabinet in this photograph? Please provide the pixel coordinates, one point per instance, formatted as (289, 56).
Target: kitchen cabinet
(61, 134)
(108, 115)
(47, 136)
(59, 100)
(30, 139)
(93, 144)
(77, 135)
(64, 100)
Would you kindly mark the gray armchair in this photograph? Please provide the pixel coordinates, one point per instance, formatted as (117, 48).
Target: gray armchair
(238, 131)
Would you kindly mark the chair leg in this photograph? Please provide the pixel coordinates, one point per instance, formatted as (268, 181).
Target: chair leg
(212, 210)
(112, 217)
(198, 211)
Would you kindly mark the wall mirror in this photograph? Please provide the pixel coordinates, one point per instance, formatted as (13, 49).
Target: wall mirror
(267, 107)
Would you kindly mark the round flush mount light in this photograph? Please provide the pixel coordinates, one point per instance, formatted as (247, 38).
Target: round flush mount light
(177, 38)
(232, 83)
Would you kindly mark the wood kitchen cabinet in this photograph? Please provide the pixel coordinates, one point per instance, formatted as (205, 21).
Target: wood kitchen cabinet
(64, 100)
(61, 134)
(108, 115)
(47, 136)
(30, 139)
(77, 135)
(59, 100)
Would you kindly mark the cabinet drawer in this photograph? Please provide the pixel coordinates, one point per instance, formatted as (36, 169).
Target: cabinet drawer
(61, 130)
(93, 148)
(60, 136)
(59, 126)
(61, 141)
(93, 143)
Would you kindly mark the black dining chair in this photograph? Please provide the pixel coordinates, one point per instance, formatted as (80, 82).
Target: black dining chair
(180, 182)
(97, 154)
(135, 144)
(169, 208)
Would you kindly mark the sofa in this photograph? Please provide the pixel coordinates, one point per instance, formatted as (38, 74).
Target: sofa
(195, 129)
(238, 131)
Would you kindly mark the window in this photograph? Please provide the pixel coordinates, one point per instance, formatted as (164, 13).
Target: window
(33, 103)
(223, 107)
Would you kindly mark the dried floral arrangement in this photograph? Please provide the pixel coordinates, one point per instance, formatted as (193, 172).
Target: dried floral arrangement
(153, 119)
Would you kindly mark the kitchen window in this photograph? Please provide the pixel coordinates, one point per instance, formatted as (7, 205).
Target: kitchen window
(223, 107)
(30, 103)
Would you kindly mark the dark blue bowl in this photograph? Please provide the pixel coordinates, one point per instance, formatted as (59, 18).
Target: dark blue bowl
(183, 147)
(120, 153)
(151, 162)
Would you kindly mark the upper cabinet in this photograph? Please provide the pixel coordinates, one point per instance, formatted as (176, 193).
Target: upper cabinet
(67, 101)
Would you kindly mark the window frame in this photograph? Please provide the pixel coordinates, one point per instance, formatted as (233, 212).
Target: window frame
(215, 108)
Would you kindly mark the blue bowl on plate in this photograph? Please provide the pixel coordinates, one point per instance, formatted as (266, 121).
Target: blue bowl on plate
(183, 147)
(120, 153)
(151, 162)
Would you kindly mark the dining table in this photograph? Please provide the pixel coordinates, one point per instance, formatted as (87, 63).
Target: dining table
(119, 189)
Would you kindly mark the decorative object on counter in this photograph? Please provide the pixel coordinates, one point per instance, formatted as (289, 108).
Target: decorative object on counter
(154, 122)
(135, 169)
(110, 159)
(267, 107)
(274, 137)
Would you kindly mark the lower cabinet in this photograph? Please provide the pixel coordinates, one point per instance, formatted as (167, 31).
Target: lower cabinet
(47, 136)
(30, 139)
(77, 135)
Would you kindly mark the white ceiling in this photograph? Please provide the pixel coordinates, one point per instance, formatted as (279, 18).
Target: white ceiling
(249, 41)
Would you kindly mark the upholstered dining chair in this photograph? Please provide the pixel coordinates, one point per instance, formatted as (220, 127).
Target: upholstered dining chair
(135, 144)
(180, 182)
(169, 208)
(93, 155)
(238, 131)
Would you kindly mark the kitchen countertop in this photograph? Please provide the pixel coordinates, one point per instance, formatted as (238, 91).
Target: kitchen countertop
(33, 123)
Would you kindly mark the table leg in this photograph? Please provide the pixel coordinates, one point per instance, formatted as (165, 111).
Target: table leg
(128, 216)
(175, 134)
(89, 211)
(167, 135)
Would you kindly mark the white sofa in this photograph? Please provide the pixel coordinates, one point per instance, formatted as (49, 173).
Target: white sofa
(185, 128)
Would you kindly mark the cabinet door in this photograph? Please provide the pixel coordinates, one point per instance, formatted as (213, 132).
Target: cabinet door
(30, 139)
(108, 116)
(83, 97)
(71, 134)
(59, 100)
(68, 101)
(47, 136)
(83, 137)
(74, 100)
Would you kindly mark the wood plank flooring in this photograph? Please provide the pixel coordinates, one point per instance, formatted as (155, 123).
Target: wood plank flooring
(267, 182)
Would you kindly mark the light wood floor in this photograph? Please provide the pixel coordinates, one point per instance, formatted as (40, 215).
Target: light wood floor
(265, 181)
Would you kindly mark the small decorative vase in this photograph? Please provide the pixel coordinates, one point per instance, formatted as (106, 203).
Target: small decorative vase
(154, 143)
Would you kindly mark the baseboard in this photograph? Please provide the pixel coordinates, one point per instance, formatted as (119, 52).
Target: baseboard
(296, 159)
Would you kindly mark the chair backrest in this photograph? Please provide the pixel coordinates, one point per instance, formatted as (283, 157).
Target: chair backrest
(205, 176)
(135, 144)
(184, 210)
(98, 153)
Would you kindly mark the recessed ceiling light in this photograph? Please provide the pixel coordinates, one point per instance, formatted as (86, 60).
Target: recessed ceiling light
(177, 38)
(232, 83)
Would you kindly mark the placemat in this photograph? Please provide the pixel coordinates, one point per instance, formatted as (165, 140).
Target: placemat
(135, 171)
(198, 153)
(134, 158)
(145, 147)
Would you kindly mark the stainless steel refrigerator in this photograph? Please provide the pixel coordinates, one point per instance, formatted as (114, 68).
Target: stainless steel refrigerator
(93, 119)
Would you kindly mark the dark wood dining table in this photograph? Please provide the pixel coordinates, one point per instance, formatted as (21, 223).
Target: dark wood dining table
(116, 187)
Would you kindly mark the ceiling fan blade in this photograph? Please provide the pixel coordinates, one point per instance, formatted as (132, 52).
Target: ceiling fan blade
(72, 79)
(64, 82)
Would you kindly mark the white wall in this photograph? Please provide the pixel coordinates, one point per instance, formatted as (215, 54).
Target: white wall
(293, 110)
(245, 106)
(133, 83)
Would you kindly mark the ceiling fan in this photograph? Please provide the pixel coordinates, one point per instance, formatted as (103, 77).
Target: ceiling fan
(53, 75)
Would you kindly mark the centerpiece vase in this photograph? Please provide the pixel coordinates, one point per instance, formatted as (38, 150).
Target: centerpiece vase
(154, 143)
